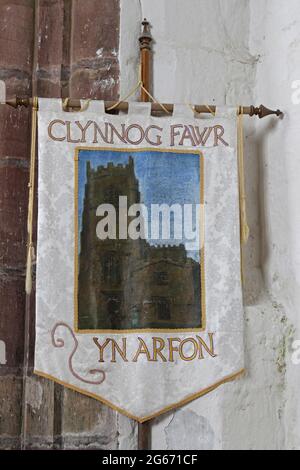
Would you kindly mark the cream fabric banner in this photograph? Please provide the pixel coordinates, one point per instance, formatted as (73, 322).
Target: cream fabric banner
(138, 290)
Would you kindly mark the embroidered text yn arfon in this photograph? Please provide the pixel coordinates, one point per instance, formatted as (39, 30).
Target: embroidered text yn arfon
(157, 349)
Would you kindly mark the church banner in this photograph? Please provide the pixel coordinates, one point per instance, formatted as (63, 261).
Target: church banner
(138, 284)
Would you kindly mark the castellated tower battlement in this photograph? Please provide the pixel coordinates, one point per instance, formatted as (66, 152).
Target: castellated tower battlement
(176, 253)
(111, 170)
(105, 183)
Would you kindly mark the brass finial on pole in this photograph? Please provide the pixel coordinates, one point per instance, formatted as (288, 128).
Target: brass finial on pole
(145, 47)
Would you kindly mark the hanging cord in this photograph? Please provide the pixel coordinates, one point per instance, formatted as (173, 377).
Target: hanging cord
(138, 86)
(30, 247)
(244, 229)
(242, 193)
(193, 108)
(84, 104)
(155, 101)
(133, 90)
(210, 110)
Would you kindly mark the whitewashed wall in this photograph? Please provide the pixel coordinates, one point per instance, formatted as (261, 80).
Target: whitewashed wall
(239, 52)
(275, 35)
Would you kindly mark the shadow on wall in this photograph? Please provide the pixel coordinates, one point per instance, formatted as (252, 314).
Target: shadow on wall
(256, 253)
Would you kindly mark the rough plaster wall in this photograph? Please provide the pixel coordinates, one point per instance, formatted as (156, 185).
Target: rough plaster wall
(275, 27)
(202, 54)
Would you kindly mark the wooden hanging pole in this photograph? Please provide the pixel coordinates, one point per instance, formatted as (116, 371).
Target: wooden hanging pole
(144, 429)
(145, 49)
(144, 436)
(156, 109)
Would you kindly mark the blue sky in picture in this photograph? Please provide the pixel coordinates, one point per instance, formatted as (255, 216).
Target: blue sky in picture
(164, 178)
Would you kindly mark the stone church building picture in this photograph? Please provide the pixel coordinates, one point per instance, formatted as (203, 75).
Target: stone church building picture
(124, 283)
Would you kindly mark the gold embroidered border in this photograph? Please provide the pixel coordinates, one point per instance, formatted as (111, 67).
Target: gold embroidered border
(178, 404)
(202, 269)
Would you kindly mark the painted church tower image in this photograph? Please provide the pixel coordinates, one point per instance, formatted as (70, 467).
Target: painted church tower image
(126, 284)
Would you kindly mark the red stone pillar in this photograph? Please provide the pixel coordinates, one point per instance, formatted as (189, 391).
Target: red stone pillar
(60, 48)
(16, 55)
